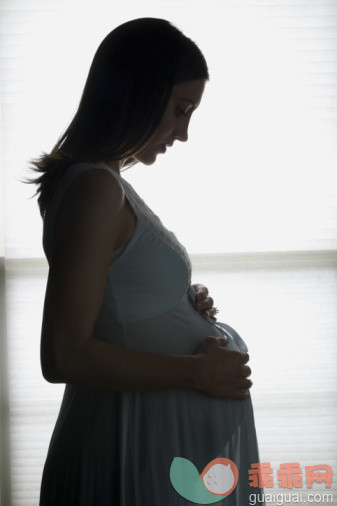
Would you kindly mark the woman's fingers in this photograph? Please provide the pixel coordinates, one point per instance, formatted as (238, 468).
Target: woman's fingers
(244, 383)
(222, 372)
(211, 312)
(246, 371)
(204, 304)
(244, 358)
(201, 291)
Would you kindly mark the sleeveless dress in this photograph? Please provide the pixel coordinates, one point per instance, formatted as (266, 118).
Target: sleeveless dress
(146, 448)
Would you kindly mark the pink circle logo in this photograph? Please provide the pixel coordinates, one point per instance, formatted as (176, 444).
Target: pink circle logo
(220, 476)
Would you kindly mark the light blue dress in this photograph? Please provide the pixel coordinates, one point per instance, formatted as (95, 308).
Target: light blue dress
(123, 448)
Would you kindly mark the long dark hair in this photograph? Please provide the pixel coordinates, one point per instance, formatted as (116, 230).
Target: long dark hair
(125, 95)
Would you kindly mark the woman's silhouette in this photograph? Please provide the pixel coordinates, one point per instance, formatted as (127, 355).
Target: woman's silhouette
(149, 376)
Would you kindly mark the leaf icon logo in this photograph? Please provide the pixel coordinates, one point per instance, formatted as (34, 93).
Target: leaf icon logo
(217, 480)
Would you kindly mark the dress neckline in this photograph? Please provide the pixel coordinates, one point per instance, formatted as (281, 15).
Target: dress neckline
(149, 219)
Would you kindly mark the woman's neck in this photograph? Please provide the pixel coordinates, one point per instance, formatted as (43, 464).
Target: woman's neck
(115, 165)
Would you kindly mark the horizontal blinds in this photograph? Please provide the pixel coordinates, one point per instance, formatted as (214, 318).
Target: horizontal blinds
(285, 312)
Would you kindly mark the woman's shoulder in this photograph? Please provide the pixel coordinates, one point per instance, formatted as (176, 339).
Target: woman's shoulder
(90, 173)
(89, 192)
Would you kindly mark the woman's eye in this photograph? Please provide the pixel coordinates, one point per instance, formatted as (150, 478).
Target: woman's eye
(180, 111)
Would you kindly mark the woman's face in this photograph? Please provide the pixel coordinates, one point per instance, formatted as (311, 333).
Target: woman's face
(184, 99)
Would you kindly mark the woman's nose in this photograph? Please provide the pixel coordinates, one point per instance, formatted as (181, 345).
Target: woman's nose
(182, 135)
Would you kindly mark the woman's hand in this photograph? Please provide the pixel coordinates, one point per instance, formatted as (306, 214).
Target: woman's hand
(221, 372)
(204, 303)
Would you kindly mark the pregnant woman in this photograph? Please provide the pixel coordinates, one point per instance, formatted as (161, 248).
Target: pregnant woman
(155, 390)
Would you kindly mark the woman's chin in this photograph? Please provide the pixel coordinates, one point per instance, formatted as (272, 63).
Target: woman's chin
(149, 159)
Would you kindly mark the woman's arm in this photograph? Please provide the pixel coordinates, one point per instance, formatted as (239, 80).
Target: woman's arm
(98, 364)
(89, 227)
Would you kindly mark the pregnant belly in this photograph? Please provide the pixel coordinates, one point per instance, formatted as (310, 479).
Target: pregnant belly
(180, 331)
(155, 427)
(180, 422)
